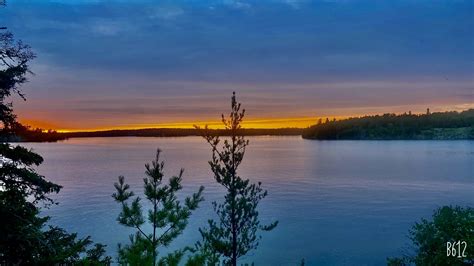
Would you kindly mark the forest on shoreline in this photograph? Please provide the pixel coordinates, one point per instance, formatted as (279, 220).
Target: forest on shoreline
(430, 126)
(39, 135)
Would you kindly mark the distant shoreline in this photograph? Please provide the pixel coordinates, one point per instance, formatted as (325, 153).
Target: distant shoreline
(429, 126)
(180, 132)
(36, 136)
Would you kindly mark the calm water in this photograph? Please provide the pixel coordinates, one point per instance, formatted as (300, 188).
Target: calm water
(338, 203)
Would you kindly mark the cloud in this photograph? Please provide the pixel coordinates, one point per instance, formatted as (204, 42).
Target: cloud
(296, 4)
(236, 4)
(166, 12)
(188, 40)
(107, 28)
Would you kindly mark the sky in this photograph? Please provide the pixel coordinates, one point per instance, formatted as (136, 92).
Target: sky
(104, 64)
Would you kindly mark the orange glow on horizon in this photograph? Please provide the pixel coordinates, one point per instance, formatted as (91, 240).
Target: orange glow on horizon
(264, 123)
(33, 123)
(256, 123)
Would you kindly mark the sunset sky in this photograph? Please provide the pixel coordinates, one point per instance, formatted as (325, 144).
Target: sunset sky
(112, 64)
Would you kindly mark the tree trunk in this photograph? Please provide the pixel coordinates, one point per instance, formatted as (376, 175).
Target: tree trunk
(233, 223)
(154, 228)
(234, 243)
(233, 220)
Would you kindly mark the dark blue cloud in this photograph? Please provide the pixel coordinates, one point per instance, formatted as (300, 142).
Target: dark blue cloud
(288, 40)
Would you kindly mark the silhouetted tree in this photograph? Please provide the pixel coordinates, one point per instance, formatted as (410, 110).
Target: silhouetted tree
(235, 232)
(168, 216)
(429, 238)
(23, 239)
(66, 249)
(14, 65)
(21, 226)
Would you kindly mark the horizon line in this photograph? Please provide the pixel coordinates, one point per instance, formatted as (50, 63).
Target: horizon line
(262, 123)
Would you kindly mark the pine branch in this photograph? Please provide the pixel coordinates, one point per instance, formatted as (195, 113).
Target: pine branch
(164, 234)
(143, 233)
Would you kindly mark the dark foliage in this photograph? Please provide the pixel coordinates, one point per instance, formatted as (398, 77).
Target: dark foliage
(23, 239)
(39, 135)
(430, 237)
(14, 66)
(445, 125)
(27, 134)
(59, 247)
(19, 179)
(235, 232)
(14, 59)
(168, 217)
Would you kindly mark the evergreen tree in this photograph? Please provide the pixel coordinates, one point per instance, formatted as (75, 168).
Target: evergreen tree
(22, 190)
(235, 232)
(21, 226)
(14, 65)
(168, 216)
(430, 237)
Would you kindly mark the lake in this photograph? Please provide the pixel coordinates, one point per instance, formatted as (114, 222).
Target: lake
(337, 202)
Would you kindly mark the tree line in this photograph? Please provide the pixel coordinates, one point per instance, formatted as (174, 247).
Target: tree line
(429, 126)
(28, 134)
(181, 132)
(440, 125)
